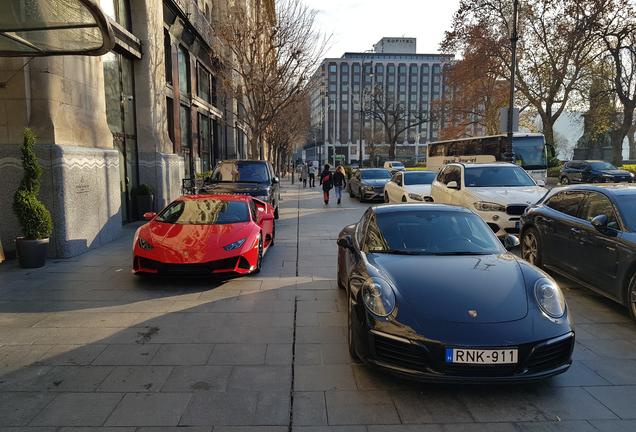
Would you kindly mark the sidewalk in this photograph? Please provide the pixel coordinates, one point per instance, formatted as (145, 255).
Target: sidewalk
(87, 346)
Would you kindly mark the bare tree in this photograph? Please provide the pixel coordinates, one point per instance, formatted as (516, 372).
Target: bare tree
(267, 58)
(395, 116)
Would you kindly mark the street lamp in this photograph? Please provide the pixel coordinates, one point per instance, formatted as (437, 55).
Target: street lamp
(509, 155)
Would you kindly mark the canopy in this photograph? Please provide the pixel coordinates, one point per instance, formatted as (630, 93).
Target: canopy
(53, 27)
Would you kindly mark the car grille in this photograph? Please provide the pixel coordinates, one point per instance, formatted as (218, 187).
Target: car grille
(512, 230)
(399, 353)
(550, 355)
(200, 269)
(378, 190)
(464, 370)
(516, 209)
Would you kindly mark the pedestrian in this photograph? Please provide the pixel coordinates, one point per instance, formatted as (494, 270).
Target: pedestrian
(312, 175)
(326, 180)
(339, 181)
(304, 172)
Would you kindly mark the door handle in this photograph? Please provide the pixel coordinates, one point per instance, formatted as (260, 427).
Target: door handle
(575, 231)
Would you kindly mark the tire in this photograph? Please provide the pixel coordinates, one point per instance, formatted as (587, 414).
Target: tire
(350, 342)
(360, 196)
(276, 213)
(273, 234)
(259, 259)
(386, 198)
(631, 297)
(595, 180)
(340, 284)
(565, 181)
(404, 199)
(531, 247)
(351, 194)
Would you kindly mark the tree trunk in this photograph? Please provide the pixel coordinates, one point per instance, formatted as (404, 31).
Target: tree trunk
(632, 143)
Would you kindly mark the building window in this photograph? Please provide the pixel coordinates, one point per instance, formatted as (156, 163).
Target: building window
(204, 84)
(170, 117)
(379, 69)
(391, 78)
(402, 69)
(186, 142)
(332, 87)
(332, 68)
(204, 140)
(402, 88)
(435, 69)
(167, 48)
(414, 69)
(356, 78)
(402, 78)
(425, 69)
(391, 69)
(413, 78)
(436, 78)
(184, 70)
(425, 79)
(356, 69)
(379, 78)
(345, 88)
(332, 78)
(413, 89)
(344, 68)
(344, 78)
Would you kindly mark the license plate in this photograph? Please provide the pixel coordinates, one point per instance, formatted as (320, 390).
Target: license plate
(516, 224)
(476, 356)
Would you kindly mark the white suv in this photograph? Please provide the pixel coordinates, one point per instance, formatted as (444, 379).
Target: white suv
(498, 192)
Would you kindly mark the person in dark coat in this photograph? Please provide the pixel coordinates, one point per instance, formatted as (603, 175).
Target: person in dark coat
(326, 180)
(339, 181)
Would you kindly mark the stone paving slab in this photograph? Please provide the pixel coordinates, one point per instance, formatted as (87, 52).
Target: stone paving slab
(86, 346)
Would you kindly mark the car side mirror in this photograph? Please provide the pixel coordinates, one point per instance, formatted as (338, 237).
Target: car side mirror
(540, 183)
(599, 221)
(275, 180)
(511, 242)
(345, 242)
(452, 185)
(266, 216)
(149, 215)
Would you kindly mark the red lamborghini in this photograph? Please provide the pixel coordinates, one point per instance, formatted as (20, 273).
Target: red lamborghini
(202, 235)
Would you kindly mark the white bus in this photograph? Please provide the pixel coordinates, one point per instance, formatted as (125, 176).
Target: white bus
(531, 152)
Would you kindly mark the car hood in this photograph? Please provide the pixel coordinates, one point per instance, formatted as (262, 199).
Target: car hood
(508, 195)
(188, 244)
(613, 172)
(454, 288)
(375, 182)
(419, 189)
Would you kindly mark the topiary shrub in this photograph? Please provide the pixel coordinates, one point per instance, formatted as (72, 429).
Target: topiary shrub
(33, 217)
(144, 190)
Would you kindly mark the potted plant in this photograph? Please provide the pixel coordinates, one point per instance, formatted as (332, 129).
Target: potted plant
(145, 200)
(33, 217)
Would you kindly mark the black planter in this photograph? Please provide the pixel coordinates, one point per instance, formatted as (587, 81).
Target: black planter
(31, 253)
(144, 205)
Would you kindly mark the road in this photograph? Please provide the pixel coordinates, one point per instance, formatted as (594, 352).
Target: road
(85, 345)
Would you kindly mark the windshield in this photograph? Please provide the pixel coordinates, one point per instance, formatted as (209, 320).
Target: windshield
(497, 176)
(375, 174)
(240, 172)
(602, 166)
(530, 152)
(430, 233)
(204, 212)
(419, 177)
(397, 164)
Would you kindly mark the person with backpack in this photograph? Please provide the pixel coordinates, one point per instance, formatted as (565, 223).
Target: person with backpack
(326, 180)
(339, 181)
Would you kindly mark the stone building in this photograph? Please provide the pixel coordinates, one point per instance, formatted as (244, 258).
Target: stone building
(148, 112)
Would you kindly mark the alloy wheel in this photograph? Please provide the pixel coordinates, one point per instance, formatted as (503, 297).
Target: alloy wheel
(529, 249)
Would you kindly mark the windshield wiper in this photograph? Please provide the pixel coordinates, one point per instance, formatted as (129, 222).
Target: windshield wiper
(394, 252)
(461, 253)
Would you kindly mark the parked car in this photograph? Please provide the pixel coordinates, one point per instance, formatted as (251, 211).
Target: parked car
(583, 171)
(394, 166)
(586, 233)
(409, 186)
(368, 183)
(245, 177)
(499, 192)
(433, 295)
(205, 235)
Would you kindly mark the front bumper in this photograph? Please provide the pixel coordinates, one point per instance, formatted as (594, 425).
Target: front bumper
(423, 358)
(369, 195)
(503, 223)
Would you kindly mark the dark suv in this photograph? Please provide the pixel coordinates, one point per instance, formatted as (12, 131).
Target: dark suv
(245, 177)
(593, 171)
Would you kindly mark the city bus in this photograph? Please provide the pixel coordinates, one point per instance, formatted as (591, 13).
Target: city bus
(531, 152)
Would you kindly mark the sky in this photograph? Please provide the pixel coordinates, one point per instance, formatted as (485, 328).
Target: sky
(358, 25)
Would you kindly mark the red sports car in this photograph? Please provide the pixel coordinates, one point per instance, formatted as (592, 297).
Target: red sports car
(202, 235)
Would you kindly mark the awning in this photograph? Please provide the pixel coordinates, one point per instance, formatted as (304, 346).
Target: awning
(53, 27)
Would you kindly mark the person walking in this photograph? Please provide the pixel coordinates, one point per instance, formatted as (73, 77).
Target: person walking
(339, 181)
(304, 172)
(326, 180)
(312, 175)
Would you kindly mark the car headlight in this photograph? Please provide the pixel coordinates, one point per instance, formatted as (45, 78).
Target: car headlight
(145, 245)
(237, 244)
(378, 296)
(416, 197)
(631, 174)
(549, 297)
(488, 206)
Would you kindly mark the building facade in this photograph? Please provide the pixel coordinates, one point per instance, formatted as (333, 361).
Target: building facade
(148, 112)
(339, 131)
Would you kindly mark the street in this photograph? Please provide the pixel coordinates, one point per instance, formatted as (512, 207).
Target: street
(86, 345)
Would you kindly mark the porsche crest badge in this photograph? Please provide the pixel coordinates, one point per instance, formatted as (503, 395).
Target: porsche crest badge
(472, 313)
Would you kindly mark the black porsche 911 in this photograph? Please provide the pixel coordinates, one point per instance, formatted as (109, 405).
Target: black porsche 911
(433, 295)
